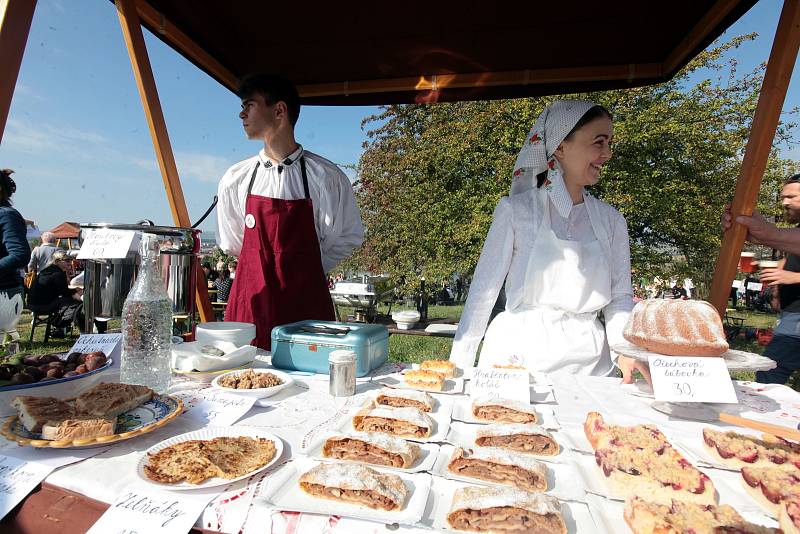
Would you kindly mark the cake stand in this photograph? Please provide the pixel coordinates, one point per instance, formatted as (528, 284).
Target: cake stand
(735, 360)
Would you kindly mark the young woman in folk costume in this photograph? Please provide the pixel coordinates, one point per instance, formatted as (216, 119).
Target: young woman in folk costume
(563, 254)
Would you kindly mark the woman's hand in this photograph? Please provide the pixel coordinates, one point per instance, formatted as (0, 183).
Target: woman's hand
(628, 365)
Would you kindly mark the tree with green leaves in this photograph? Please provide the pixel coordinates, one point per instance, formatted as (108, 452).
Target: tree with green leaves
(431, 175)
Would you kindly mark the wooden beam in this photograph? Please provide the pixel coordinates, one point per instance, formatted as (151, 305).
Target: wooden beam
(142, 71)
(762, 132)
(694, 38)
(15, 24)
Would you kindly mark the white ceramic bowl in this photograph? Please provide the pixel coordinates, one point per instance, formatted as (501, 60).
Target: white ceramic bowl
(406, 319)
(259, 393)
(240, 334)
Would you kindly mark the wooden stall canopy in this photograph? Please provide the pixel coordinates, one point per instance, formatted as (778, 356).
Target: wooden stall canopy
(367, 53)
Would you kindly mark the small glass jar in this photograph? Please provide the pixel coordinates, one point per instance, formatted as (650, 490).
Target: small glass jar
(342, 373)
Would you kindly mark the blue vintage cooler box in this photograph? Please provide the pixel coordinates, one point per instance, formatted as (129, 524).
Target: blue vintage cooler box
(305, 346)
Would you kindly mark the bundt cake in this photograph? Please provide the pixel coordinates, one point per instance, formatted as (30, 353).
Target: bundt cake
(676, 328)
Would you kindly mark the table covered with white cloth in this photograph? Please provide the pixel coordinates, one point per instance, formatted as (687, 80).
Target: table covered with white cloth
(303, 413)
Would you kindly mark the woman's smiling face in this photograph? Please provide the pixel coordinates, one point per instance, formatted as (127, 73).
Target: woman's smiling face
(583, 154)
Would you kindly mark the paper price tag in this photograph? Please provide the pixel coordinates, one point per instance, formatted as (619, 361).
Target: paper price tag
(754, 286)
(512, 384)
(17, 480)
(110, 244)
(146, 511)
(685, 379)
(737, 284)
(108, 344)
(211, 407)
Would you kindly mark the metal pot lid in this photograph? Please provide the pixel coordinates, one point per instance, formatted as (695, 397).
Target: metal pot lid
(150, 229)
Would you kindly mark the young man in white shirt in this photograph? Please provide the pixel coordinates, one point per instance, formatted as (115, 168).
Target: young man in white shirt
(288, 214)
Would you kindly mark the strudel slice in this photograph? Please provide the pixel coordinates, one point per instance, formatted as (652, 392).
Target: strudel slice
(771, 485)
(355, 484)
(503, 411)
(789, 516)
(445, 367)
(740, 450)
(403, 422)
(527, 438)
(502, 467)
(680, 517)
(422, 379)
(371, 448)
(500, 510)
(405, 398)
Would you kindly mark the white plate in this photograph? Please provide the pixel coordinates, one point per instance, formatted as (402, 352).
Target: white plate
(451, 386)
(463, 435)
(736, 360)
(288, 496)
(428, 453)
(562, 479)
(441, 425)
(462, 411)
(205, 434)
(576, 515)
(259, 393)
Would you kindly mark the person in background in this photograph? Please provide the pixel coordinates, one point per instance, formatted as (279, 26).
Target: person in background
(783, 280)
(232, 269)
(223, 285)
(42, 254)
(14, 250)
(679, 292)
(50, 292)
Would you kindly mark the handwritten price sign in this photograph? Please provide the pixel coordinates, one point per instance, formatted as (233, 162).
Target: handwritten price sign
(683, 379)
(512, 384)
(110, 244)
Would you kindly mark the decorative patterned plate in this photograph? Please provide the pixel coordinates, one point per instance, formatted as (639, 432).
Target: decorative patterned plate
(736, 360)
(145, 418)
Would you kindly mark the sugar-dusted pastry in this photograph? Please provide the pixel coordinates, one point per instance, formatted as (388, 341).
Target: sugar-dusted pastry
(770, 485)
(371, 448)
(676, 328)
(680, 517)
(526, 438)
(477, 509)
(503, 411)
(500, 466)
(403, 422)
(740, 450)
(401, 398)
(355, 484)
(422, 379)
(789, 515)
(445, 367)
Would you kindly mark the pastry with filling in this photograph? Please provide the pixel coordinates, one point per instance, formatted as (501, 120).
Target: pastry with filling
(371, 448)
(741, 450)
(355, 484)
(198, 460)
(402, 398)
(81, 428)
(771, 485)
(526, 438)
(34, 412)
(680, 517)
(421, 379)
(403, 422)
(503, 411)
(501, 510)
(602, 435)
(445, 367)
(110, 400)
(789, 516)
(501, 467)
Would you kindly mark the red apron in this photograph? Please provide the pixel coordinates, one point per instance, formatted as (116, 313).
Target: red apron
(279, 278)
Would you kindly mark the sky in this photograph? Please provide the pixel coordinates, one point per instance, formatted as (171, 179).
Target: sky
(78, 139)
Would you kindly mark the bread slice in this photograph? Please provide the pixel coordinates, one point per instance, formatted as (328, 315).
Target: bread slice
(73, 429)
(421, 379)
(34, 412)
(110, 400)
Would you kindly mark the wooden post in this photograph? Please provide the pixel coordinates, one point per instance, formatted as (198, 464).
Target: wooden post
(134, 40)
(15, 23)
(762, 132)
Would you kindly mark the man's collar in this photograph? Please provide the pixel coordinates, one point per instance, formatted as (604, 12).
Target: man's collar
(288, 160)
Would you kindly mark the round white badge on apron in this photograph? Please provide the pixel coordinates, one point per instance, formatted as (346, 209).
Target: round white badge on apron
(249, 220)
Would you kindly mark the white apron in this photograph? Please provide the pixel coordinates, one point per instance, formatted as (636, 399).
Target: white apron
(555, 329)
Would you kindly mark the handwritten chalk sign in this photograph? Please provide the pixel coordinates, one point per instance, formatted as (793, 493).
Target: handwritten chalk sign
(212, 407)
(109, 244)
(150, 511)
(512, 384)
(685, 379)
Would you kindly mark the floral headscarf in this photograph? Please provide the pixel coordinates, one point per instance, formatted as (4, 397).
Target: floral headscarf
(536, 155)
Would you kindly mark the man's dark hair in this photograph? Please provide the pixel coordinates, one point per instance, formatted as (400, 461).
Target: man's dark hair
(794, 179)
(274, 89)
(7, 185)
